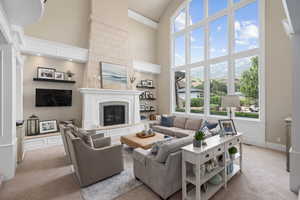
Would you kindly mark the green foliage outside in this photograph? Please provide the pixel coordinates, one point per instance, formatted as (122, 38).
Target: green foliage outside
(197, 102)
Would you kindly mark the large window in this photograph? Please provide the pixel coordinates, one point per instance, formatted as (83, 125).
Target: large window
(216, 52)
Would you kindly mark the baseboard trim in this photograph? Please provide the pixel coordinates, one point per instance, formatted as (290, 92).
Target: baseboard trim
(277, 147)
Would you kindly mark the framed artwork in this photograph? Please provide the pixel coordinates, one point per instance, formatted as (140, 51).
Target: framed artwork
(45, 73)
(149, 83)
(59, 75)
(144, 83)
(227, 126)
(48, 126)
(113, 76)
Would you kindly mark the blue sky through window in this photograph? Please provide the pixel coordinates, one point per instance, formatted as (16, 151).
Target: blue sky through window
(215, 6)
(246, 27)
(197, 45)
(218, 38)
(180, 50)
(196, 11)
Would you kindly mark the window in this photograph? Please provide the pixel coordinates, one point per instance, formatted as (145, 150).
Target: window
(180, 90)
(180, 51)
(246, 27)
(247, 87)
(216, 52)
(197, 45)
(218, 37)
(197, 90)
(196, 11)
(218, 76)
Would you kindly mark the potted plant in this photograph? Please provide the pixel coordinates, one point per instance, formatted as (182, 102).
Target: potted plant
(232, 151)
(69, 75)
(199, 138)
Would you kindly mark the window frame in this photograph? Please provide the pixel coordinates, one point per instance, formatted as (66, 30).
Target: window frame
(230, 57)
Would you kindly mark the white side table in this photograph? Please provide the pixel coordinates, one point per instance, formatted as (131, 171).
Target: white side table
(216, 146)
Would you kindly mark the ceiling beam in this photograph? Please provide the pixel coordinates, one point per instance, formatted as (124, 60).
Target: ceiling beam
(142, 19)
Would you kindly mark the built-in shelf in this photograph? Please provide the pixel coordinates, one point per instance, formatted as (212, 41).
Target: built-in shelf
(145, 87)
(145, 111)
(148, 99)
(53, 80)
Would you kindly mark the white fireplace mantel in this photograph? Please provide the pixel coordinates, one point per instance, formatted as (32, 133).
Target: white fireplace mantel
(92, 98)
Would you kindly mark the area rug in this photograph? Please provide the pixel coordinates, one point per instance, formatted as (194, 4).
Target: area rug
(115, 186)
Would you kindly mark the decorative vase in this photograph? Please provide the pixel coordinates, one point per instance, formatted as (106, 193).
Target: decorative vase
(230, 168)
(197, 143)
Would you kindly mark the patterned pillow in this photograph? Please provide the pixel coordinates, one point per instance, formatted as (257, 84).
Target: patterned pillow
(156, 145)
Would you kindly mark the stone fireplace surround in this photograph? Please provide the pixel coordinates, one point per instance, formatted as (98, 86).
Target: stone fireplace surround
(93, 99)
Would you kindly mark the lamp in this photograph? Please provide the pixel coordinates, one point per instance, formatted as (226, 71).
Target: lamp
(230, 101)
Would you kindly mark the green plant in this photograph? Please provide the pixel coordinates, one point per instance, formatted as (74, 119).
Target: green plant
(232, 150)
(199, 135)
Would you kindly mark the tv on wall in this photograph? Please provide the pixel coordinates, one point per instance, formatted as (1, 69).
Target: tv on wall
(53, 98)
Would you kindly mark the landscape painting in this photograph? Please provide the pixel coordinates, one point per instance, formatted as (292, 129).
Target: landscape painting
(113, 76)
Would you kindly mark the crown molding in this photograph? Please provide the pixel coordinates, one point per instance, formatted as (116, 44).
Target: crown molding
(4, 25)
(142, 19)
(146, 67)
(35, 46)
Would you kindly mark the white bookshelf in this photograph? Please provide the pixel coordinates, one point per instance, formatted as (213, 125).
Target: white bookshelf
(216, 146)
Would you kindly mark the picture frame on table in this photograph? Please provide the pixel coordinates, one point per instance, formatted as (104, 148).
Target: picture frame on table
(59, 75)
(48, 126)
(227, 126)
(46, 73)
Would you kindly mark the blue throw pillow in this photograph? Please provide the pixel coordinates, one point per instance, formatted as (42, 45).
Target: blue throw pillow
(166, 121)
(209, 125)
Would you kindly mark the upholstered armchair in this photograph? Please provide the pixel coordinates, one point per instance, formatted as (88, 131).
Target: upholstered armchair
(94, 164)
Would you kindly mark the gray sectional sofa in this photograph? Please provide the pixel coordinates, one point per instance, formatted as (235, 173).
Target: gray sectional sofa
(162, 171)
(182, 127)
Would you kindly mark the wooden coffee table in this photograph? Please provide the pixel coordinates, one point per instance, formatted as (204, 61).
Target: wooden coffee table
(145, 143)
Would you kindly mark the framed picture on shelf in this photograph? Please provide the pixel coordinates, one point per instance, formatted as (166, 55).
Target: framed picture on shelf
(227, 126)
(144, 83)
(59, 75)
(48, 126)
(149, 83)
(45, 73)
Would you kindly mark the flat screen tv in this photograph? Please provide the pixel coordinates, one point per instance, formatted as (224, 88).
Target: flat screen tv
(53, 98)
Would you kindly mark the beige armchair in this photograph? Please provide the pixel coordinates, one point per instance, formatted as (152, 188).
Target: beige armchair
(90, 164)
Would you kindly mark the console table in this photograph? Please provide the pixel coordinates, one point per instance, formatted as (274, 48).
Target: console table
(216, 146)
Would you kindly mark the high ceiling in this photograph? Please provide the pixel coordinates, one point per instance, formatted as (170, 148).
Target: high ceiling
(152, 9)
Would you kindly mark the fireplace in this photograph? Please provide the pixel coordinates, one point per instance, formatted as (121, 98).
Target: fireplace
(113, 113)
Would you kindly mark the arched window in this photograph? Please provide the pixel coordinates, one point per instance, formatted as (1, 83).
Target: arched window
(216, 51)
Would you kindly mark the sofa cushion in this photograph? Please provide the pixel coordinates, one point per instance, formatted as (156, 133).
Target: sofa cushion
(171, 147)
(193, 124)
(166, 121)
(179, 122)
(164, 130)
(180, 133)
(210, 125)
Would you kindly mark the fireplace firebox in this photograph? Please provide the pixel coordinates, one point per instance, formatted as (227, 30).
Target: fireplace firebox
(113, 113)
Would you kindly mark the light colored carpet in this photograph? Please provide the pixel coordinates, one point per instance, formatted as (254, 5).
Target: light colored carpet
(44, 175)
(115, 186)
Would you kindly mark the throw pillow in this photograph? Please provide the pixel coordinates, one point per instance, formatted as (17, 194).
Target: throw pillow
(86, 137)
(210, 125)
(166, 121)
(156, 145)
(101, 142)
(193, 124)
